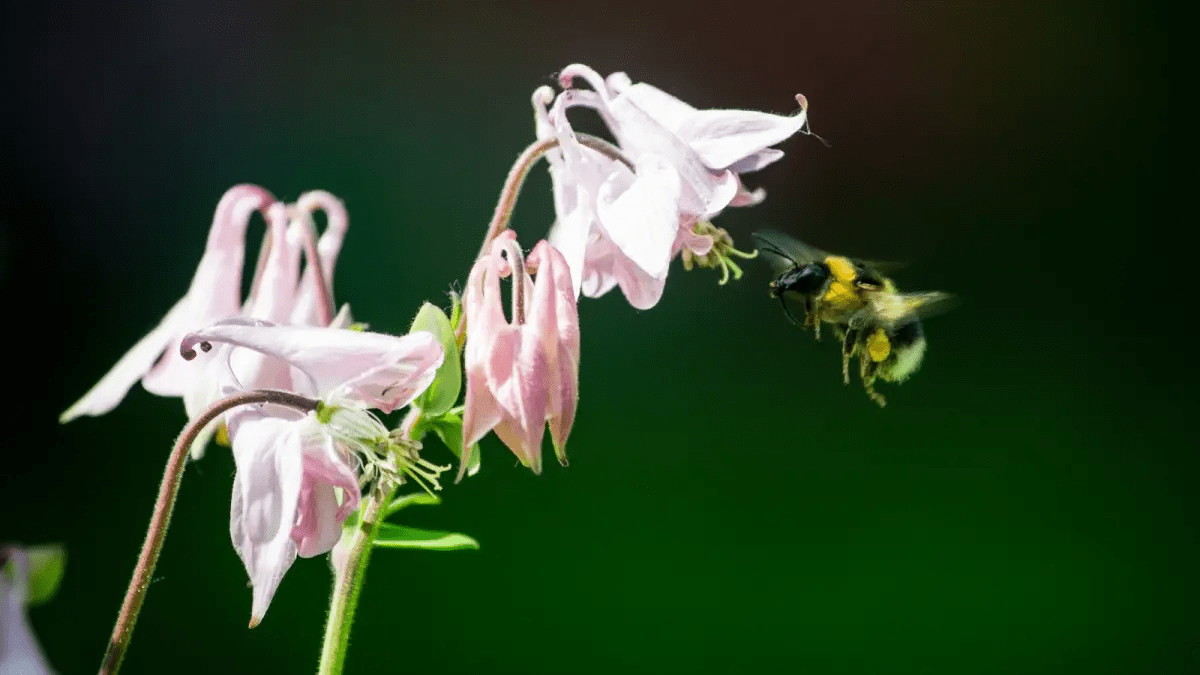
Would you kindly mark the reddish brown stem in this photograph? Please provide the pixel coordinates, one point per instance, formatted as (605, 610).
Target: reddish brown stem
(165, 503)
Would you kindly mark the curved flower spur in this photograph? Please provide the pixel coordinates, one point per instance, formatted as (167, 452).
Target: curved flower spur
(524, 373)
(298, 474)
(278, 294)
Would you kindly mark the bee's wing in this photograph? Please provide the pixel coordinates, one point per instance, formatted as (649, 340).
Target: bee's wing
(784, 252)
(892, 309)
(882, 267)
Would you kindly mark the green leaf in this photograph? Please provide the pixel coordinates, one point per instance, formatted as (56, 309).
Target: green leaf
(441, 395)
(448, 428)
(46, 564)
(399, 536)
(405, 501)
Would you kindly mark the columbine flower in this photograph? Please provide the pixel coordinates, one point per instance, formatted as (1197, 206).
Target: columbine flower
(615, 234)
(215, 293)
(19, 649)
(298, 475)
(616, 226)
(522, 373)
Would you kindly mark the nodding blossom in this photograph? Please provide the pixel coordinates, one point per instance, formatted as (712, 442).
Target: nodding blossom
(214, 294)
(298, 474)
(621, 225)
(279, 294)
(521, 373)
(19, 648)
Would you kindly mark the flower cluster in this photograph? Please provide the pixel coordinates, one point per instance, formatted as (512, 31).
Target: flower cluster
(623, 214)
(298, 472)
(293, 385)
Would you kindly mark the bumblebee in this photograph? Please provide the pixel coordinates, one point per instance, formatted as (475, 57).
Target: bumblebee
(874, 321)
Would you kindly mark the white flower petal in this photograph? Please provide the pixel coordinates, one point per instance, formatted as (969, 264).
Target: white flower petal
(111, 388)
(269, 457)
(663, 107)
(384, 371)
(641, 216)
(725, 137)
(756, 161)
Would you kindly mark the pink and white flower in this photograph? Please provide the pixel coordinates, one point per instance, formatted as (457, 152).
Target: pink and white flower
(521, 373)
(280, 295)
(298, 474)
(215, 294)
(621, 226)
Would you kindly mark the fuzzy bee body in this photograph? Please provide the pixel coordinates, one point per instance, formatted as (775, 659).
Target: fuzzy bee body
(876, 323)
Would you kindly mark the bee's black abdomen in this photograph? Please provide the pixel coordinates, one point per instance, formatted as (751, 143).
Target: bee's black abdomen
(907, 334)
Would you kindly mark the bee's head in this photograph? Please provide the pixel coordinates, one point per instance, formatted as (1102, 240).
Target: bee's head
(807, 279)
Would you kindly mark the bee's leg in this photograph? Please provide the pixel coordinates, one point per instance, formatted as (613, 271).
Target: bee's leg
(788, 312)
(867, 368)
(814, 315)
(849, 341)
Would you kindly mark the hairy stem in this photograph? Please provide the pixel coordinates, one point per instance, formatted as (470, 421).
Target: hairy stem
(516, 178)
(520, 170)
(348, 577)
(348, 584)
(167, 492)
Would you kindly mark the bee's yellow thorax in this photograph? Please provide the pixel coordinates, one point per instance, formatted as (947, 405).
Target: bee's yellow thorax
(841, 293)
(878, 346)
(841, 269)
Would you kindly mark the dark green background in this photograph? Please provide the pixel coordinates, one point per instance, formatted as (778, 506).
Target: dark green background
(1019, 507)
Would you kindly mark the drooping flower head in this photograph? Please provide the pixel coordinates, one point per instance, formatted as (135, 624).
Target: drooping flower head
(298, 475)
(214, 294)
(279, 294)
(622, 225)
(524, 372)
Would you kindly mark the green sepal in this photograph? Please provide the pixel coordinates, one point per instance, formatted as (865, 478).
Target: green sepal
(400, 536)
(449, 428)
(441, 395)
(46, 565)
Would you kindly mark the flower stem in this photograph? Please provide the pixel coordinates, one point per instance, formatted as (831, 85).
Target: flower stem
(520, 170)
(516, 178)
(167, 492)
(348, 584)
(348, 577)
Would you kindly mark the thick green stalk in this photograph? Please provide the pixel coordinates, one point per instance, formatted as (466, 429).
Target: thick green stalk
(348, 584)
(348, 580)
